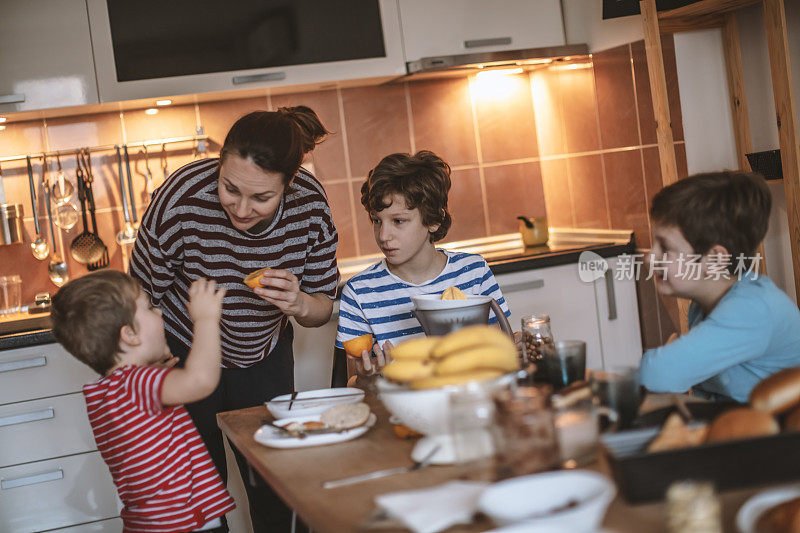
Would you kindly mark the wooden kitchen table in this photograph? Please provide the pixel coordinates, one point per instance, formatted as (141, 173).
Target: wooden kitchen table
(297, 476)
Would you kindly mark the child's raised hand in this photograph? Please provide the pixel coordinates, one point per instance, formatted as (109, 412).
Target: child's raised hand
(205, 301)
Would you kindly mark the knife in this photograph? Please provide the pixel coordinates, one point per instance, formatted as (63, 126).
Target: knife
(303, 433)
(417, 465)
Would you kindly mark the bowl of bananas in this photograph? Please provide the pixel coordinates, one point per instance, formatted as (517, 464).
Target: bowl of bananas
(424, 372)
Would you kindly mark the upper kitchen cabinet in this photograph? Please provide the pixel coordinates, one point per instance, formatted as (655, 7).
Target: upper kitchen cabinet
(45, 55)
(152, 48)
(452, 27)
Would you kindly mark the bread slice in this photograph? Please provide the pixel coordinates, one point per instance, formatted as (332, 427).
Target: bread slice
(346, 415)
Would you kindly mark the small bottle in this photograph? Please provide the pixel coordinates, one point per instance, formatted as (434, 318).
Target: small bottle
(693, 507)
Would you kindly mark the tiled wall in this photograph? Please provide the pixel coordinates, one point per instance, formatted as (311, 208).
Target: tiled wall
(577, 145)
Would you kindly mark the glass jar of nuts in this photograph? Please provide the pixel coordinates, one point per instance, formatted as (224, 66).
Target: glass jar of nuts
(537, 336)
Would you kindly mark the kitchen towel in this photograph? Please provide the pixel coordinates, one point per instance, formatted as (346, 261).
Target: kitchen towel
(435, 508)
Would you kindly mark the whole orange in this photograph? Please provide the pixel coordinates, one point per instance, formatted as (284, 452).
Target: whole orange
(356, 346)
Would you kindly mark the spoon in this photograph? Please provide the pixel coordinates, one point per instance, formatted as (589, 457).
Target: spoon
(39, 246)
(57, 269)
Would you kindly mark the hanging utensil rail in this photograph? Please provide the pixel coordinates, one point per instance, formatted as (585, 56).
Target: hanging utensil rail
(106, 147)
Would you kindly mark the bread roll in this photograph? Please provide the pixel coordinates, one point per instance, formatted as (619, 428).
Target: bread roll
(742, 423)
(783, 518)
(792, 420)
(676, 434)
(346, 416)
(777, 393)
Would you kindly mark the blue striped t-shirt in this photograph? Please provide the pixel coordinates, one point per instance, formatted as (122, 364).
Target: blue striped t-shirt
(376, 301)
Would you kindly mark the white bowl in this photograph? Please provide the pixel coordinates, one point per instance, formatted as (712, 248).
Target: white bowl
(279, 406)
(428, 412)
(530, 499)
(434, 302)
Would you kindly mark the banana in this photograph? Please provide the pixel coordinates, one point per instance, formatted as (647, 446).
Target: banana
(407, 370)
(435, 382)
(416, 349)
(453, 293)
(485, 357)
(470, 337)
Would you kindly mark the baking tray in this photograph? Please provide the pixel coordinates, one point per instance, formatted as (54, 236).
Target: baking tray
(643, 476)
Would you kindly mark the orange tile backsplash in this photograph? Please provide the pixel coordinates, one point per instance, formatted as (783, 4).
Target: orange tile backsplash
(577, 145)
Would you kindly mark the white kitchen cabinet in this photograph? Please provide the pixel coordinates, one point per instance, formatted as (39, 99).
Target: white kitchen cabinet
(449, 27)
(618, 316)
(45, 55)
(559, 292)
(56, 493)
(580, 310)
(38, 371)
(313, 353)
(198, 34)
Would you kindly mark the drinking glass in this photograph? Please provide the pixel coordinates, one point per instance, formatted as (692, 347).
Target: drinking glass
(10, 294)
(524, 435)
(564, 363)
(619, 389)
(471, 425)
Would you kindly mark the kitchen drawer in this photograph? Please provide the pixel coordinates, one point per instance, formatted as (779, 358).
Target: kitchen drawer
(39, 371)
(112, 525)
(56, 493)
(43, 429)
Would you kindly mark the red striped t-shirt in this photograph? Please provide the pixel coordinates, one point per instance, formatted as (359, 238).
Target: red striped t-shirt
(186, 234)
(160, 466)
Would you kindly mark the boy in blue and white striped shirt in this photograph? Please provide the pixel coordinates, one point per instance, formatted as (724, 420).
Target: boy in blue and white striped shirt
(406, 198)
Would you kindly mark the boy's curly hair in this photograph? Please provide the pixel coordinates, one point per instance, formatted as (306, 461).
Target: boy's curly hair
(726, 208)
(423, 179)
(88, 314)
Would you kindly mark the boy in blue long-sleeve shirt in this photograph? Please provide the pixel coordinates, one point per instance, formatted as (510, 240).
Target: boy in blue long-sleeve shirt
(742, 327)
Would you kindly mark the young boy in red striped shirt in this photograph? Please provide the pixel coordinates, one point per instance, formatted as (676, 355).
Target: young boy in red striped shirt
(160, 466)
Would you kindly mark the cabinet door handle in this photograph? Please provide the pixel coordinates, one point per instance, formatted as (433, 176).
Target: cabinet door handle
(496, 41)
(251, 78)
(35, 479)
(612, 296)
(31, 362)
(523, 285)
(44, 414)
(12, 98)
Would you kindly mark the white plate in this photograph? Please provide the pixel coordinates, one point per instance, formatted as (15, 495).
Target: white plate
(280, 409)
(275, 438)
(752, 509)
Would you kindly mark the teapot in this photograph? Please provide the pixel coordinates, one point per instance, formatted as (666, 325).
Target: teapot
(534, 231)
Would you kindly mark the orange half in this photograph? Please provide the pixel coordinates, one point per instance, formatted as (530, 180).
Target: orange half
(356, 347)
(252, 279)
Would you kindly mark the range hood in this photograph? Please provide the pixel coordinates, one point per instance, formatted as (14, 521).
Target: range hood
(463, 64)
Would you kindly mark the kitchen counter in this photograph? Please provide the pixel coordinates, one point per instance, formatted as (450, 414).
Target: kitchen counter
(504, 253)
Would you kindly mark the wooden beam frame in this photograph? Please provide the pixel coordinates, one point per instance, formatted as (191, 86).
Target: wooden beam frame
(736, 91)
(780, 68)
(706, 7)
(658, 89)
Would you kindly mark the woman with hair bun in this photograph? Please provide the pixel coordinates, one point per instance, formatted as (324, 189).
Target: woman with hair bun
(222, 219)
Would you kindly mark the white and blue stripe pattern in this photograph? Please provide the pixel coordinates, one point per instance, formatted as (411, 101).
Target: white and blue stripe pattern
(376, 301)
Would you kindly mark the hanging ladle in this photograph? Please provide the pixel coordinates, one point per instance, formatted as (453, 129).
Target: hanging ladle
(39, 246)
(63, 189)
(57, 269)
